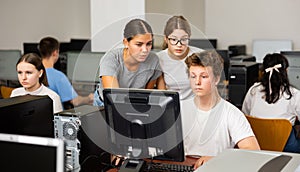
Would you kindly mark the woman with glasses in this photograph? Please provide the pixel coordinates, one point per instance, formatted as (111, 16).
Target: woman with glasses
(133, 66)
(177, 33)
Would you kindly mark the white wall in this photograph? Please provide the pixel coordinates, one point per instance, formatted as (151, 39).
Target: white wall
(192, 10)
(239, 22)
(230, 21)
(159, 11)
(30, 20)
(108, 18)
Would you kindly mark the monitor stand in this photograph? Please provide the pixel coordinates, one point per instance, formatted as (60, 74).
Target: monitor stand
(133, 165)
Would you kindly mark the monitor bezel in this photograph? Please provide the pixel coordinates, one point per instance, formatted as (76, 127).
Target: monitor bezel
(176, 153)
(57, 143)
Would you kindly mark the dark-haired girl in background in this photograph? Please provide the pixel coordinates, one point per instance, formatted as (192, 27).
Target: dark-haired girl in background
(274, 97)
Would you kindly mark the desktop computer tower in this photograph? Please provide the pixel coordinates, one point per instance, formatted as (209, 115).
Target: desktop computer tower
(66, 128)
(82, 153)
(293, 58)
(294, 76)
(242, 75)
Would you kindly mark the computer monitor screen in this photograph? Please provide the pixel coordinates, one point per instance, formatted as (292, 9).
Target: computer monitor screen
(261, 47)
(27, 115)
(144, 123)
(294, 67)
(204, 43)
(62, 62)
(80, 45)
(83, 66)
(31, 153)
(8, 61)
(31, 47)
(64, 47)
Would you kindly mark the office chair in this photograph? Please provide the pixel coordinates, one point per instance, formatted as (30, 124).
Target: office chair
(271, 134)
(5, 91)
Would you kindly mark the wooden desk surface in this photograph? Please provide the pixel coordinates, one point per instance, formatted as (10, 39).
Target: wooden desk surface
(188, 161)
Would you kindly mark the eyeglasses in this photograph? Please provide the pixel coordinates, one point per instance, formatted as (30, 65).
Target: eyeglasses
(174, 41)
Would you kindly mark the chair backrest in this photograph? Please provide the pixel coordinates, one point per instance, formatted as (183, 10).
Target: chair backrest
(6, 91)
(271, 134)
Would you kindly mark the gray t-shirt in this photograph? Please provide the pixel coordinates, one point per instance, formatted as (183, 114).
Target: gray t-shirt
(112, 64)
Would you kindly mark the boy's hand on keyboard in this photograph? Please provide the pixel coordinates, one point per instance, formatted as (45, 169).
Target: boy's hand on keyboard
(201, 161)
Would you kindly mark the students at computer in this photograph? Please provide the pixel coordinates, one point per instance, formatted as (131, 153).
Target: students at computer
(33, 78)
(58, 81)
(177, 33)
(274, 97)
(210, 123)
(133, 66)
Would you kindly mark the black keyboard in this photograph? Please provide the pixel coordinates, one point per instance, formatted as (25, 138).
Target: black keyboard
(159, 167)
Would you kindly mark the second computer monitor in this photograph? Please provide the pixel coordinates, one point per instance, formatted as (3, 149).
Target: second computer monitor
(8, 61)
(83, 66)
(144, 123)
(225, 56)
(27, 115)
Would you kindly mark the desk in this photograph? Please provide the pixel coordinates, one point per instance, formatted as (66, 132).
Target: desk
(188, 161)
(236, 160)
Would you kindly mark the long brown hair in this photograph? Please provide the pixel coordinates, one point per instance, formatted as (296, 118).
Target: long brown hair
(279, 80)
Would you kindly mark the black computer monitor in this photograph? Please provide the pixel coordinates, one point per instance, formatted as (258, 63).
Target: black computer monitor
(31, 47)
(61, 63)
(204, 43)
(31, 153)
(27, 115)
(144, 123)
(224, 54)
(64, 47)
(80, 45)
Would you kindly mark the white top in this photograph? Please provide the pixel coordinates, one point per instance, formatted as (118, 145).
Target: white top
(43, 90)
(255, 105)
(175, 73)
(208, 133)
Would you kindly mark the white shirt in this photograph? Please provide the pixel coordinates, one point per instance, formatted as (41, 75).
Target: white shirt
(255, 105)
(43, 90)
(208, 133)
(175, 73)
